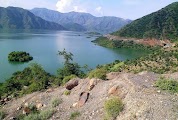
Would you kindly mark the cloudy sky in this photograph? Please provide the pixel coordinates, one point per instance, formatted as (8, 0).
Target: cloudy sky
(131, 9)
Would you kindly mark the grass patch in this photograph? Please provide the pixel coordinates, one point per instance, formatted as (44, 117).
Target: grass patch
(167, 84)
(33, 116)
(42, 115)
(113, 107)
(74, 115)
(45, 115)
(67, 92)
(68, 78)
(99, 73)
(55, 102)
(2, 115)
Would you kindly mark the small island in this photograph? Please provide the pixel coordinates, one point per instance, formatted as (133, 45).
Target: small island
(19, 56)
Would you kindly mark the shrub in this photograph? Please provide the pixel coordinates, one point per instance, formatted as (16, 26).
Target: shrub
(166, 84)
(34, 116)
(2, 115)
(74, 115)
(45, 115)
(67, 92)
(33, 108)
(117, 67)
(113, 107)
(55, 102)
(98, 73)
(68, 78)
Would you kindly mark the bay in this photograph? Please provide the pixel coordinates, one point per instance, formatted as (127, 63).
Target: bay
(44, 47)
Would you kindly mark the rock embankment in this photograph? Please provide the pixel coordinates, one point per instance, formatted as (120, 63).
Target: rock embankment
(141, 100)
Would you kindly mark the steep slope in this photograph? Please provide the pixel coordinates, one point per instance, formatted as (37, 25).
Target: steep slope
(141, 100)
(18, 18)
(86, 20)
(162, 24)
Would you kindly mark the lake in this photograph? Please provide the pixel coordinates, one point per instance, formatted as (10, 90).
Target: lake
(44, 47)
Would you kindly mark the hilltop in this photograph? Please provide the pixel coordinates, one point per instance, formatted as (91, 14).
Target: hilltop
(160, 25)
(140, 98)
(19, 18)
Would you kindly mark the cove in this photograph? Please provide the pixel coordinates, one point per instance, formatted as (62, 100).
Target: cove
(44, 47)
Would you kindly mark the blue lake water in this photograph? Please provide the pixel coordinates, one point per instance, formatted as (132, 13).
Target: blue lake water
(44, 47)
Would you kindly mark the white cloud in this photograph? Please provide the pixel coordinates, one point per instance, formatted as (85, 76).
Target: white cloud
(79, 6)
(78, 9)
(70, 5)
(99, 10)
(64, 5)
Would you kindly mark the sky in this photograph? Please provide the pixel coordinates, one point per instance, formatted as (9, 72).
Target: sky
(127, 9)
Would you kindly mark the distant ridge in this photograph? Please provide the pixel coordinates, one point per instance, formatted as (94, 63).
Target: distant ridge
(162, 24)
(19, 18)
(82, 21)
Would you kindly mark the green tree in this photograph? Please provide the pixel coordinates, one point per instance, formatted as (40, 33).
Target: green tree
(69, 67)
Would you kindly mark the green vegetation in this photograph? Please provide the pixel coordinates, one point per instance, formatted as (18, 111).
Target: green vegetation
(31, 79)
(160, 25)
(105, 42)
(74, 115)
(19, 56)
(99, 73)
(168, 85)
(35, 78)
(33, 108)
(113, 107)
(159, 61)
(55, 102)
(42, 115)
(69, 67)
(23, 19)
(2, 115)
(67, 92)
(34, 116)
(68, 78)
(46, 114)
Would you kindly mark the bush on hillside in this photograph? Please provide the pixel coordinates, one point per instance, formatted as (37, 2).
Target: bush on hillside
(166, 84)
(113, 107)
(99, 73)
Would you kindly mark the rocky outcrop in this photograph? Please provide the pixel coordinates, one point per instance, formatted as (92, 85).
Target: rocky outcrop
(71, 84)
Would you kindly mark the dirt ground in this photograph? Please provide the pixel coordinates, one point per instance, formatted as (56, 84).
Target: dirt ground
(141, 100)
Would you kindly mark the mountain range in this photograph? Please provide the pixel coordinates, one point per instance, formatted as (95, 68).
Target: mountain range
(162, 24)
(82, 21)
(18, 18)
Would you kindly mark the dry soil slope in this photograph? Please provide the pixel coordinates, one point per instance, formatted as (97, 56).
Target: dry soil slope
(141, 100)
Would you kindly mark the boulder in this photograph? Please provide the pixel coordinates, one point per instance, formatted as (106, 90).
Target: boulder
(92, 84)
(83, 98)
(113, 90)
(71, 84)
